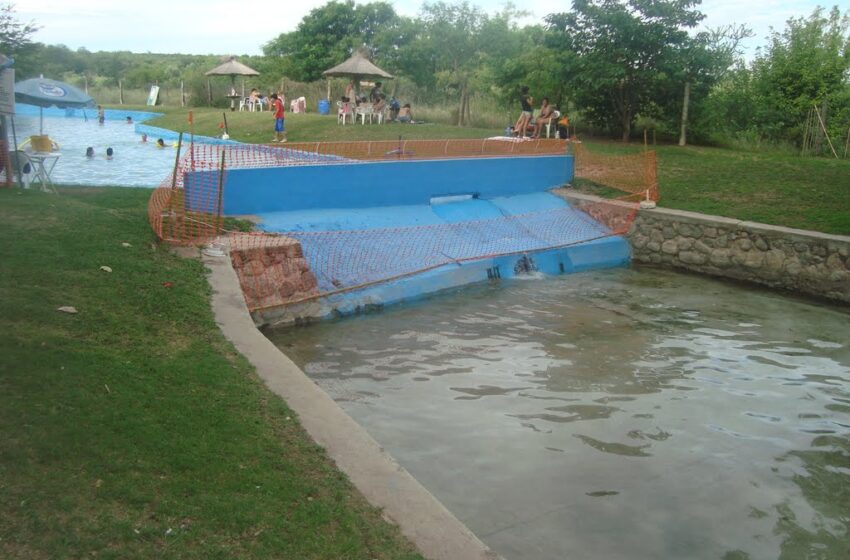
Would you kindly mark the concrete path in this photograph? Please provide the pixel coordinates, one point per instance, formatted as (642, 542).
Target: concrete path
(425, 521)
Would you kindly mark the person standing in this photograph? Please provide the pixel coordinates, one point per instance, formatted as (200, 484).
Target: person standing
(375, 93)
(279, 116)
(101, 115)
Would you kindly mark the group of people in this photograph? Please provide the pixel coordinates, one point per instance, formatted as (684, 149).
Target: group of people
(526, 115)
(378, 99)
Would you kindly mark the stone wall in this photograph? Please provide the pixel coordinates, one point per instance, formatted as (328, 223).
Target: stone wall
(272, 270)
(798, 260)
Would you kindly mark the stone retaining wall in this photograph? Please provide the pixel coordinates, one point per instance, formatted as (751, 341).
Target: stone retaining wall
(798, 260)
(271, 272)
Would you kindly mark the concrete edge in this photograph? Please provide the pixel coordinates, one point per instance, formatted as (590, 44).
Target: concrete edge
(429, 525)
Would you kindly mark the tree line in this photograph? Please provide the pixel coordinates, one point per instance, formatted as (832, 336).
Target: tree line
(615, 66)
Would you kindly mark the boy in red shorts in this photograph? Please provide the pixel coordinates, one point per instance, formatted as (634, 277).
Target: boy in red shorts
(279, 116)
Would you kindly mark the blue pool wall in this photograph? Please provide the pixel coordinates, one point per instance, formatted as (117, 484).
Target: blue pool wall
(379, 184)
(608, 252)
(139, 118)
(87, 113)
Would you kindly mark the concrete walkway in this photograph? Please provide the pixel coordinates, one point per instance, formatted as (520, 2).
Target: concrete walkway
(425, 521)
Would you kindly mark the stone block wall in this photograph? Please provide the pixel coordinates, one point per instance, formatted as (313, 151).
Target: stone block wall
(272, 270)
(798, 260)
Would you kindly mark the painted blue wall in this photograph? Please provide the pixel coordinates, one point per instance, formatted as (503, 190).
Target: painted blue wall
(598, 254)
(384, 183)
(89, 113)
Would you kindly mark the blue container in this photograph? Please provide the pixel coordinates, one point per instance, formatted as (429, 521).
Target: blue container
(324, 107)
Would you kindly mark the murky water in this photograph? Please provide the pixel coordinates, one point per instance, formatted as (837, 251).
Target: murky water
(616, 414)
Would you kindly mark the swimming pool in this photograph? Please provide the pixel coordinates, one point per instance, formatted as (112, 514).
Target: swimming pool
(134, 164)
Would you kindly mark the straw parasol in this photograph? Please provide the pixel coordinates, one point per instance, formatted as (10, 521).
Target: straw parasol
(357, 67)
(233, 68)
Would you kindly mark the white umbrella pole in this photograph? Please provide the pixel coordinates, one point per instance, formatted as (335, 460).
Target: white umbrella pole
(41, 121)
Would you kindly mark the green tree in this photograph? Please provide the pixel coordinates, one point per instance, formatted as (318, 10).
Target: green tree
(702, 62)
(805, 65)
(328, 35)
(15, 36)
(621, 49)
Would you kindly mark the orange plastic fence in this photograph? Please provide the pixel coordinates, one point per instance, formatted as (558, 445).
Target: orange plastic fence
(630, 173)
(282, 269)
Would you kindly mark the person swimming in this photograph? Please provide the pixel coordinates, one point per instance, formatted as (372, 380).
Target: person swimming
(144, 138)
(160, 143)
(89, 152)
(109, 153)
(129, 119)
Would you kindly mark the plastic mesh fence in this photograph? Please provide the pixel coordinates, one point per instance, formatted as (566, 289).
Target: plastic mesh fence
(277, 270)
(630, 173)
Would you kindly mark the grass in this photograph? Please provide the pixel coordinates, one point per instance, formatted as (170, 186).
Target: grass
(132, 429)
(771, 187)
(302, 127)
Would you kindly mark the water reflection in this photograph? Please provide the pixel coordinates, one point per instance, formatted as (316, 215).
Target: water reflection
(617, 414)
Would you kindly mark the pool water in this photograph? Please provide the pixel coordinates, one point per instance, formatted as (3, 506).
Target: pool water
(134, 164)
(619, 414)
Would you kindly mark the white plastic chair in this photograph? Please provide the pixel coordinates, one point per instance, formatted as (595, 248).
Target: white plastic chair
(343, 112)
(365, 111)
(553, 120)
(19, 160)
(383, 114)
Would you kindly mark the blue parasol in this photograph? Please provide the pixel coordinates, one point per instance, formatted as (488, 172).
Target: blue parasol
(44, 92)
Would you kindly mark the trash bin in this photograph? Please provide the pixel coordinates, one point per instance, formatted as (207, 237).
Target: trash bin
(324, 107)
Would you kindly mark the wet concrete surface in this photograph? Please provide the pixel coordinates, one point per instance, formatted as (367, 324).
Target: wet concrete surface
(614, 414)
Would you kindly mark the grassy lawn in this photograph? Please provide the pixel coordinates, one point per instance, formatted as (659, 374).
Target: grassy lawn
(132, 429)
(259, 127)
(770, 187)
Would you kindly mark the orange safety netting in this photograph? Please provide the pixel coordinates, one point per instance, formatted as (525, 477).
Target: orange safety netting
(281, 269)
(631, 173)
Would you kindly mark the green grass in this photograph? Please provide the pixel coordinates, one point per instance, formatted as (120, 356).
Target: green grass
(133, 429)
(303, 127)
(771, 187)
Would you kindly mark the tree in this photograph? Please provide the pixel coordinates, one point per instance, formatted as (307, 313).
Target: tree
(805, 65)
(704, 60)
(14, 35)
(330, 34)
(621, 49)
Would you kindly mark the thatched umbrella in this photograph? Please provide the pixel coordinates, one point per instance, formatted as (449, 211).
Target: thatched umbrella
(357, 67)
(233, 68)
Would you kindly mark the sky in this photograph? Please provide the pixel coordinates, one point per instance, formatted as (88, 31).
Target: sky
(230, 27)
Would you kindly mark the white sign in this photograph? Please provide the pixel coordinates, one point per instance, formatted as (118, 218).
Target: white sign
(7, 91)
(153, 95)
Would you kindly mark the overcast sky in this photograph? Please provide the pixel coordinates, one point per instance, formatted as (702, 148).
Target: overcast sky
(233, 27)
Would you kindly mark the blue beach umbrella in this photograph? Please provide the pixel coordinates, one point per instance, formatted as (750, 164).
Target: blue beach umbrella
(44, 92)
